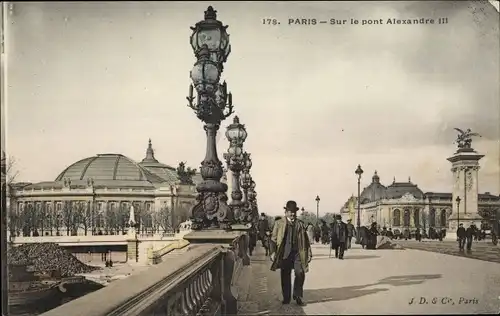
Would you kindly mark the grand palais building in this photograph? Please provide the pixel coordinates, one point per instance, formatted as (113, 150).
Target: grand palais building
(94, 196)
(403, 205)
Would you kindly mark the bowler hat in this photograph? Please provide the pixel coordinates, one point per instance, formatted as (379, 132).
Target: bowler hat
(291, 206)
(262, 214)
(338, 217)
(349, 220)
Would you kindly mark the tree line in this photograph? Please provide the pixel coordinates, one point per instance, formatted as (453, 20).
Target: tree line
(74, 217)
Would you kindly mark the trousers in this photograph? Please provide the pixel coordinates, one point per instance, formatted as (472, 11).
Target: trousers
(292, 262)
(461, 243)
(339, 249)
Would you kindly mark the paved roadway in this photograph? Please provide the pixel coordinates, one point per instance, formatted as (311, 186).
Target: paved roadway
(378, 282)
(482, 250)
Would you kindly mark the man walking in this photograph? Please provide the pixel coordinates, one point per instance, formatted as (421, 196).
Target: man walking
(263, 227)
(350, 233)
(339, 237)
(461, 236)
(293, 251)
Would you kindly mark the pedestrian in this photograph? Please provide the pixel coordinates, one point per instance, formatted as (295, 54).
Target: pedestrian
(350, 233)
(317, 233)
(418, 235)
(263, 227)
(373, 233)
(293, 252)
(325, 233)
(266, 242)
(406, 234)
(461, 234)
(469, 235)
(339, 237)
(252, 239)
(390, 234)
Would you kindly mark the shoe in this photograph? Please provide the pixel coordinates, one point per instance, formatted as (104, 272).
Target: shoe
(341, 258)
(299, 301)
(284, 302)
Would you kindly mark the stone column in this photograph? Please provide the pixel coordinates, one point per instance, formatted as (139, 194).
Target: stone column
(412, 217)
(465, 167)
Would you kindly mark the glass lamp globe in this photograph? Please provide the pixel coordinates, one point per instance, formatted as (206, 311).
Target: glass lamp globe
(212, 33)
(248, 161)
(235, 151)
(245, 178)
(205, 72)
(236, 132)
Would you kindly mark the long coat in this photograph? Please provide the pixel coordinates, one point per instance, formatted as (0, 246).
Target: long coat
(278, 238)
(339, 233)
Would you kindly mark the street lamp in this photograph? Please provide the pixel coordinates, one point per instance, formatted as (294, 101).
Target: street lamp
(246, 183)
(317, 209)
(458, 210)
(236, 134)
(212, 105)
(358, 172)
(253, 211)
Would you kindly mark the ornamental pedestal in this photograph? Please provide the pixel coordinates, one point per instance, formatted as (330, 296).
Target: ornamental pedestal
(465, 168)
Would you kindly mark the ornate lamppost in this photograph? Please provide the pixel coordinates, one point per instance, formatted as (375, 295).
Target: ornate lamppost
(252, 201)
(358, 172)
(236, 134)
(458, 210)
(317, 209)
(246, 184)
(212, 105)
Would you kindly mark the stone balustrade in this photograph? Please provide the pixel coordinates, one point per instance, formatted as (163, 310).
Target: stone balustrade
(199, 282)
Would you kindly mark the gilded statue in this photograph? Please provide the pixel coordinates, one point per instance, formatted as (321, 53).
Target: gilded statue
(464, 139)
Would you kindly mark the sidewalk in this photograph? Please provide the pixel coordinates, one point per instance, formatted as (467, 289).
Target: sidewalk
(480, 250)
(380, 282)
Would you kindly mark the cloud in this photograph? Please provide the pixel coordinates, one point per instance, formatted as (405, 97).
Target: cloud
(316, 100)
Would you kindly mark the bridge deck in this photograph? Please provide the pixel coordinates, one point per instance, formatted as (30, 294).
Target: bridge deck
(379, 282)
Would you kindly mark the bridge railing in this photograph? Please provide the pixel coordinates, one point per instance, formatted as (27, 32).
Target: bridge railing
(196, 283)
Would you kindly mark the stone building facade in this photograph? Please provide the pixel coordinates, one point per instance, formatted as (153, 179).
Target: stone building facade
(403, 205)
(95, 195)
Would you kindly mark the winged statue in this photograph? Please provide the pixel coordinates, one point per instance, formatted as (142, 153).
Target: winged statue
(464, 139)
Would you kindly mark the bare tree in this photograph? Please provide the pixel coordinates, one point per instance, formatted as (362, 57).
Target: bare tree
(328, 218)
(111, 216)
(145, 217)
(41, 214)
(57, 221)
(13, 221)
(28, 219)
(123, 215)
(83, 216)
(11, 173)
(308, 218)
(182, 212)
(69, 217)
(164, 219)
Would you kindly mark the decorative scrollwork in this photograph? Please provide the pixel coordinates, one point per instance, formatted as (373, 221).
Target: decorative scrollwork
(470, 180)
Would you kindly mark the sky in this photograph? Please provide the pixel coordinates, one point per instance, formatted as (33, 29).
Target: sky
(85, 78)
